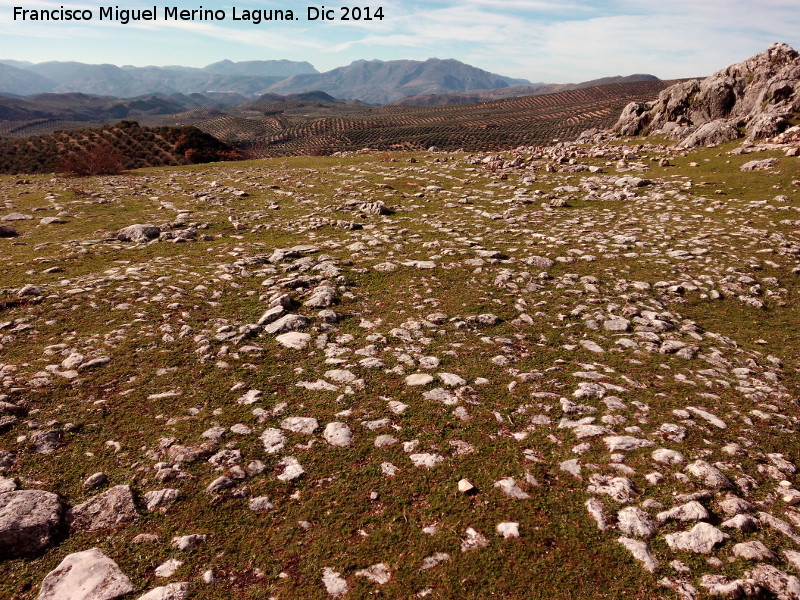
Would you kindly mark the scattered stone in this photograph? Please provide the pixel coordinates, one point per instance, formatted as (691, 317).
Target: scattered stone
(87, 575)
(334, 582)
(624, 442)
(620, 489)
(273, 440)
(641, 552)
(138, 233)
(419, 379)
(261, 504)
(434, 560)
(95, 480)
(784, 586)
(28, 521)
(302, 425)
(294, 340)
(510, 488)
(286, 324)
(709, 475)
(754, 550)
(425, 460)
(378, 573)
(701, 538)
(633, 521)
(338, 434)
(187, 542)
(744, 523)
(168, 568)
(465, 487)
(160, 500)
(108, 510)
(691, 511)
(508, 530)
(172, 591)
(472, 540)
(597, 512)
(291, 469)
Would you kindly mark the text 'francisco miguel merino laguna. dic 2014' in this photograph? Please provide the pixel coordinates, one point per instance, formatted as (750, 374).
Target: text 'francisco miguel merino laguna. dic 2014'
(174, 13)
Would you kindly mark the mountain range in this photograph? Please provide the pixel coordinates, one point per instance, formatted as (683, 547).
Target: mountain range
(374, 81)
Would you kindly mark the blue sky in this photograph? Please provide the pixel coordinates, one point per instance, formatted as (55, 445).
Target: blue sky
(540, 40)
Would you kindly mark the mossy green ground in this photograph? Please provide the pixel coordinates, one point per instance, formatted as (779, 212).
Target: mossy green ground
(560, 553)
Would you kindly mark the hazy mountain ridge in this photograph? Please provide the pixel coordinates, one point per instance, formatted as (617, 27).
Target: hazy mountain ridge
(368, 81)
(382, 82)
(248, 78)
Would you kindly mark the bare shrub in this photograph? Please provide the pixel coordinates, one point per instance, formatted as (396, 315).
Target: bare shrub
(100, 159)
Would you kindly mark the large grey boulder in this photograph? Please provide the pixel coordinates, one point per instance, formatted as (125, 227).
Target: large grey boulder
(6, 231)
(112, 508)
(87, 575)
(701, 539)
(322, 297)
(634, 522)
(28, 521)
(287, 323)
(782, 585)
(138, 233)
(709, 475)
(760, 93)
(713, 133)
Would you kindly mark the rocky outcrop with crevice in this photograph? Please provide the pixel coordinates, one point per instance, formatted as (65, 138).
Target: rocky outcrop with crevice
(758, 96)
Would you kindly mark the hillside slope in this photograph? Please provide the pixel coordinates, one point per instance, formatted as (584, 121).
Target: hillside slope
(515, 91)
(137, 147)
(500, 124)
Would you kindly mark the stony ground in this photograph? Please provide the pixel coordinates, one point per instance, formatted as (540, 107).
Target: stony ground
(566, 372)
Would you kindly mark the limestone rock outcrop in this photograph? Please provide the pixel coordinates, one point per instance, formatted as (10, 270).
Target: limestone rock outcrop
(758, 96)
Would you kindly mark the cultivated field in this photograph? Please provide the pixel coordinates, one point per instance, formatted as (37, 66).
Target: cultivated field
(294, 128)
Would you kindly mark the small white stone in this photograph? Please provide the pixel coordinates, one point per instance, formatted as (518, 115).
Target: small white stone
(260, 504)
(334, 583)
(465, 487)
(338, 434)
(303, 425)
(388, 469)
(419, 379)
(294, 340)
(291, 469)
(508, 530)
(510, 488)
(168, 568)
(452, 380)
(426, 460)
(397, 407)
(208, 577)
(385, 440)
(473, 540)
(378, 573)
(340, 376)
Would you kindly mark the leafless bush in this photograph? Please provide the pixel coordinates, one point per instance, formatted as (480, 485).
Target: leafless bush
(100, 159)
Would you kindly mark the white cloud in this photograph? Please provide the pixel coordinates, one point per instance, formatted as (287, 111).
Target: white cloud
(542, 40)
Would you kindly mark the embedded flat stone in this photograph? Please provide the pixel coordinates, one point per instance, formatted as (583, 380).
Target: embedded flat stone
(701, 539)
(419, 379)
(87, 575)
(294, 340)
